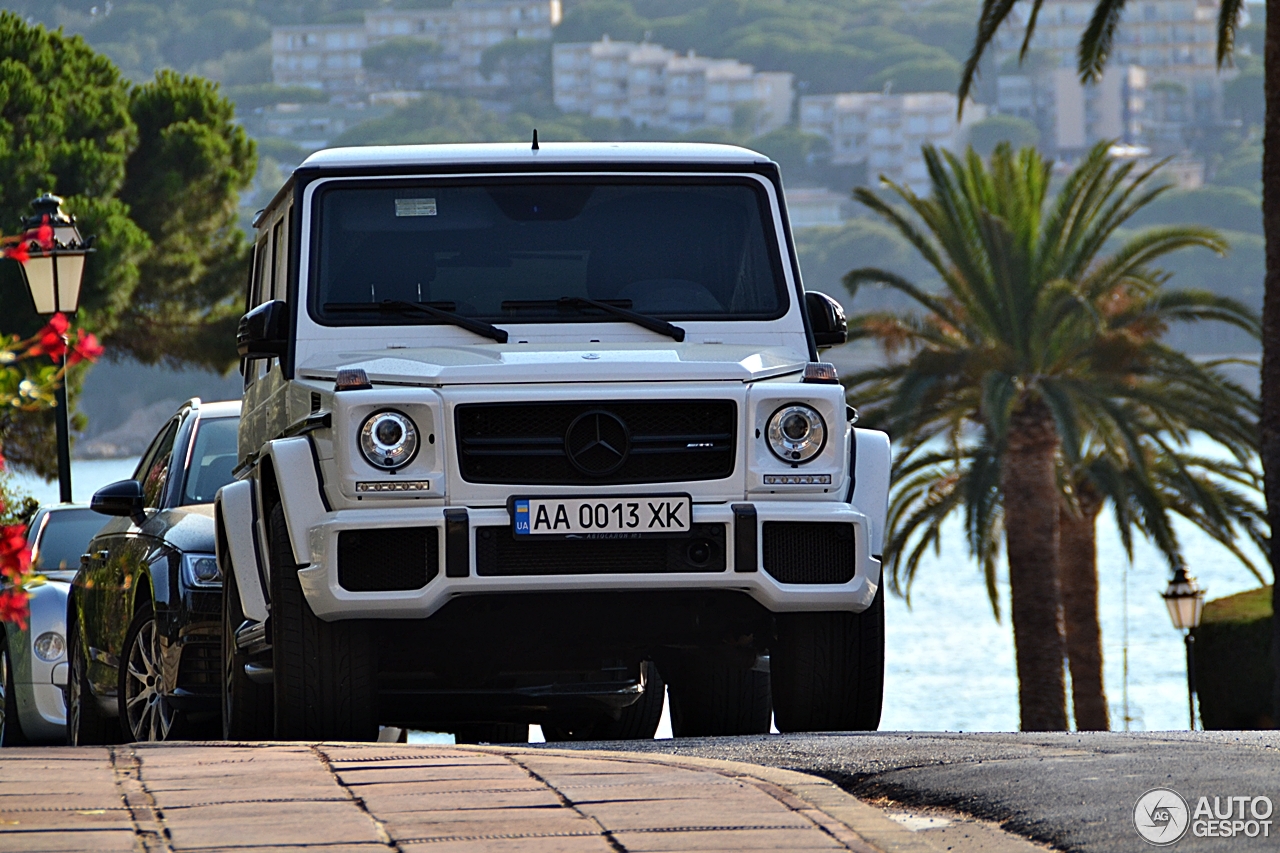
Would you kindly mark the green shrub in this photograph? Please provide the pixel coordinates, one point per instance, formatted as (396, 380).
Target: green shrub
(1234, 672)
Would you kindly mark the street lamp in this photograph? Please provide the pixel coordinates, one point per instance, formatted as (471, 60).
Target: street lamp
(53, 271)
(1185, 600)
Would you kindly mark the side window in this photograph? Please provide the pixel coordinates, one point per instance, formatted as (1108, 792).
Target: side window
(280, 268)
(261, 273)
(157, 473)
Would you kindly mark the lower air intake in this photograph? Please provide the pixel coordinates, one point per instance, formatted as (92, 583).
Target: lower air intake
(809, 551)
(387, 559)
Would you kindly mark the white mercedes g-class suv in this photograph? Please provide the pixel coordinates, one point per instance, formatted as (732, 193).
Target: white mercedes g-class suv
(529, 432)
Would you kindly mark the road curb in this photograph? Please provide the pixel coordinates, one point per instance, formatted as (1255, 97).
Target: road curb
(871, 831)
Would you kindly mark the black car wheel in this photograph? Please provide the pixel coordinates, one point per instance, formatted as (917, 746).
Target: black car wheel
(324, 672)
(246, 705)
(146, 713)
(87, 725)
(638, 721)
(10, 728)
(828, 670)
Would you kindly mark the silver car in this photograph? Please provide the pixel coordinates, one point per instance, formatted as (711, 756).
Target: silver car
(33, 661)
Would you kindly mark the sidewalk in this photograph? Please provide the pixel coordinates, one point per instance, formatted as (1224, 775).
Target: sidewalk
(369, 797)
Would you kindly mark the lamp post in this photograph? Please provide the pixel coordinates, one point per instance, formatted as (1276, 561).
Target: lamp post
(53, 272)
(1185, 600)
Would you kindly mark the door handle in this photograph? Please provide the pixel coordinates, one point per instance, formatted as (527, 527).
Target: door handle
(101, 555)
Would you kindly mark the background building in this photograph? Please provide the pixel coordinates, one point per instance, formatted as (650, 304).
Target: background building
(886, 132)
(653, 86)
(320, 56)
(1072, 117)
(329, 57)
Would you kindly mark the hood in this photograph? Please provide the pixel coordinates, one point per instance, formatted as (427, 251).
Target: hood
(524, 363)
(189, 529)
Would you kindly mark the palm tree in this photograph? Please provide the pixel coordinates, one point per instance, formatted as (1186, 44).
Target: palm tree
(1036, 340)
(1217, 495)
(1091, 57)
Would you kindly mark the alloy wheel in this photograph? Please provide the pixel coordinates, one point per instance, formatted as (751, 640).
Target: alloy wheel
(148, 712)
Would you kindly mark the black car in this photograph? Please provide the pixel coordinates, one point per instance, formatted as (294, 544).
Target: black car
(144, 615)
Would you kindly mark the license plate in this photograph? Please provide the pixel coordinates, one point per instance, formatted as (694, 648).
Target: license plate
(602, 517)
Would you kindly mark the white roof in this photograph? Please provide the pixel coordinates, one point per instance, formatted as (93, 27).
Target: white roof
(522, 153)
(220, 409)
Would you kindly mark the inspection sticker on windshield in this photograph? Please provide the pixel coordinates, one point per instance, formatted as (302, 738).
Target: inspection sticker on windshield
(415, 207)
(602, 517)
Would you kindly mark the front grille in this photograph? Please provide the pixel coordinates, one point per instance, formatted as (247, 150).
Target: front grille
(199, 670)
(808, 551)
(386, 559)
(499, 552)
(667, 441)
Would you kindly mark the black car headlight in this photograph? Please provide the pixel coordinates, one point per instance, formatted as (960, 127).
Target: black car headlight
(201, 570)
(797, 433)
(389, 439)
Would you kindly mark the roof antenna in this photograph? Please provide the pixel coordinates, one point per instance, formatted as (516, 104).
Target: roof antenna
(535, 139)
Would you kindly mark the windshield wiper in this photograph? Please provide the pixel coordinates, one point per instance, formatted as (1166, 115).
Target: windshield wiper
(653, 324)
(397, 306)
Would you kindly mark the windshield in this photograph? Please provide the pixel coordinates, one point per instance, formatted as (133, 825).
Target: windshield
(65, 537)
(501, 250)
(212, 460)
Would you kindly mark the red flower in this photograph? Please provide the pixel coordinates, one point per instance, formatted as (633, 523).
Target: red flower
(18, 253)
(13, 606)
(52, 338)
(43, 234)
(86, 348)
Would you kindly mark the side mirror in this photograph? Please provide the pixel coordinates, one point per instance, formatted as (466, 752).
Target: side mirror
(264, 331)
(826, 318)
(122, 498)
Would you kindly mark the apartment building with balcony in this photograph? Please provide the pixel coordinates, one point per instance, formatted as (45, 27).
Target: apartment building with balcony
(886, 132)
(653, 86)
(329, 57)
(1072, 117)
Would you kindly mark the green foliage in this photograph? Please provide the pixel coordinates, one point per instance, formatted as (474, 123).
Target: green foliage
(258, 95)
(1242, 97)
(153, 172)
(400, 59)
(1248, 606)
(827, 253)
(1220, 207)
(1033, 315)
(847, 45)
(1234, 663)
(986, 134)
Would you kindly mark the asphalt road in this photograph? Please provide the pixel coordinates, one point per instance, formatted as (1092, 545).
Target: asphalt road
(1074, 791)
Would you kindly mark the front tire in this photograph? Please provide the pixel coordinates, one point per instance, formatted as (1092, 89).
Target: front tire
(711, 698)
(146, 714)
(828, 670)
(246, 705)
(87, 725)
(324, 683)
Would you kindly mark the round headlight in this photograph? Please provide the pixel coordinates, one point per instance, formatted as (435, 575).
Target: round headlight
(389, 440)
(49, 646)
(797, 433)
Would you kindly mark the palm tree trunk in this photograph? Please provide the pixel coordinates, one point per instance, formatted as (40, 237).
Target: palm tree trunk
(1030, 488)
(1078, 568)
(1270, 422)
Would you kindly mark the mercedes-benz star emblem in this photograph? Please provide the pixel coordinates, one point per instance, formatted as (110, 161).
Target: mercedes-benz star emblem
(597, 443)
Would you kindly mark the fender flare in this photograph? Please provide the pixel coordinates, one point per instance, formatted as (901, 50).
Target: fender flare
(299, 483)
(873, 464)
(235, 511)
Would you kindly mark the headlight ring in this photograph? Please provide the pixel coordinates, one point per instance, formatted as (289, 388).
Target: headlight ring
(49, 646)
(797, 433)
(389, 439)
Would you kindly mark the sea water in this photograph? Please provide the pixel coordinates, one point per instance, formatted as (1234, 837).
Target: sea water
(948, 663)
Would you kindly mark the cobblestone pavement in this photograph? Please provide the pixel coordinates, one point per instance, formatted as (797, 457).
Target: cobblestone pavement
(366, 797)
